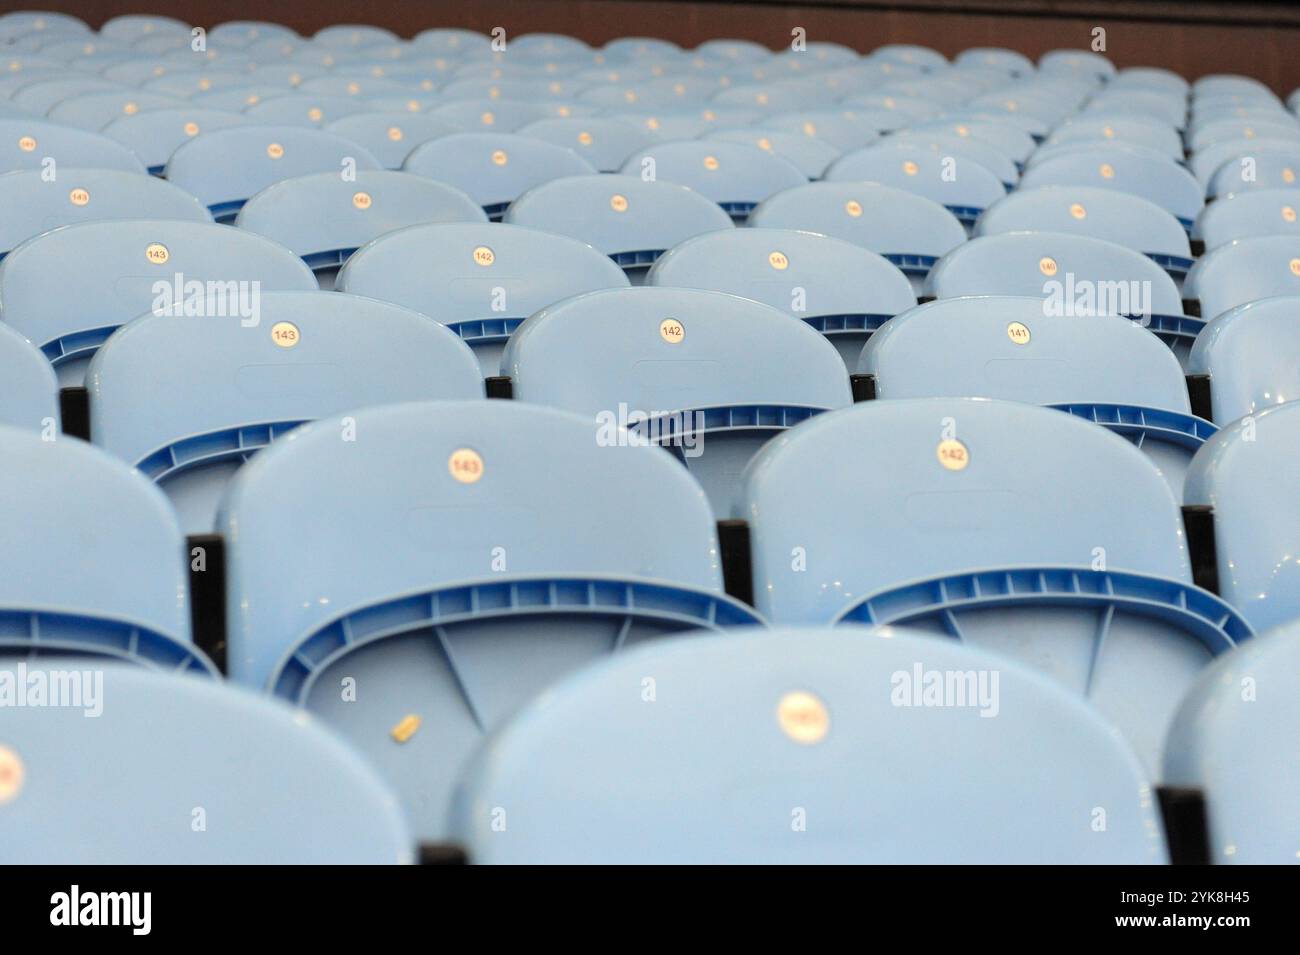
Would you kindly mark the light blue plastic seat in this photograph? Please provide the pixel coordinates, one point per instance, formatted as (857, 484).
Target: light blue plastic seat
(190, 773)
(631, 220)
(30, 143)
(842, 128)
(1118, 126)
(31, 392)
(443, 271)
(43, 94)
(235, 383)
(840, 289)
(94, 111)
(1165, 109)
(467, 564)
(124, 268)
(972, 148)
(1009, 140)
(521, 90)
(1070, 274)
(184, 81)
(1245, 473)
(224, 167)
(494, 168)
(1232, 128)
(390, 136)
(737, 176)
(1102, 368)
(1271, 169)
(1119, 217)
(605, 142)
(809, 154)
(306, 110)
(341, 36)
(911, 231)
(1251, 355)
(805, 746)
(352, 83)
(136, 26)
(1244, 270)
(1019, 529)
(1161, 181)
(17, 23)
(1208, 160)
(155, 134)
(247, 32)
(711, 377)
(960, 184)
(1233, 740)
(1150, 77)
(489, 115)
(324, 219)
(92, 560)
(1010, 61)
(32, 204)
(1248, 215)
(1076, 62)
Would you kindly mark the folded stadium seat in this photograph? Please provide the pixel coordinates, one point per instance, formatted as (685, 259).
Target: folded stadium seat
(126, 268)
(1076, 62)
(815, 726)
(34, 143)
(471, 566)
(241, 33)
(549, 46)
(1160, 180)
(708, 376)
(619, 97)
(546, 87)
(238, 98)
(1010, 140)
(972, 148)
(324, 219)
(1097, 367)
(1218, 84)
(131, 27)
(94, 111)
(390, 136)
(490, 115)
(1242, 271)
(639, 47)
(1104, 603)
(224, 167)
(1069, 274)
(631, 220)
(494, 168)
(1050, 151)
(39, 97)
(913, 232)
(309, 110)
(801, 273)
(960, 184)
(1169, 109)
(1247, 215)
(1248, 359)
(1119, 217)
(452, 41)
(1221, 129)
(31, 391)
(910, 110)
(842, 128)
(1009, 61)
(351, 84)
(1271, 169)
(92, 563)
(1116, 127)
(270, 783)
(1149, 78)
(33, 205)
(1028, 112)
(342, 36)
(910, 54)
(677, 123)
(232, 390)
(1232, 740)
(186, 83)
(1209, 159)
(733, 51)
(41, 22)
(1204, 113)
(155, 134)
(605, 142)
(479, 280)
(773, 97)
(737, 176)
(811, 156)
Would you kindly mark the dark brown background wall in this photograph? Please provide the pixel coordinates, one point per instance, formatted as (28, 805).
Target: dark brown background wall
(1191, 37)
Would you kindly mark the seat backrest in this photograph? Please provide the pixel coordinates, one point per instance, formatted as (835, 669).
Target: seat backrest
(1118, 217)
(31, 392)
(1262, 169)
(1218, 130)
(1207, 160)
(605, 142)
(1249, 214)
(323, 217)
(94, 111)
(908, 229)
(437, 494)
(810, 155)
(809, 719)
(154, 134)
(1005, 347)
(33, 204)
(1252, 355)
(1038, 488)
(235, 382)
(1243, 473)
(494, 168)
(305, 110)
(1160, 180)
(390, 136)
(841, 128)
(86, 537)
(31, 143)
(961, 185)
(802, 273)
(224, 167)
(629, 219)
(1120, 127)
(489, 115)
(1229, 740)
(1008, 139)
(1245, 270)
(737, 176)
(941, 138)
(124, 269)
(667, 350)
(1071, 274)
